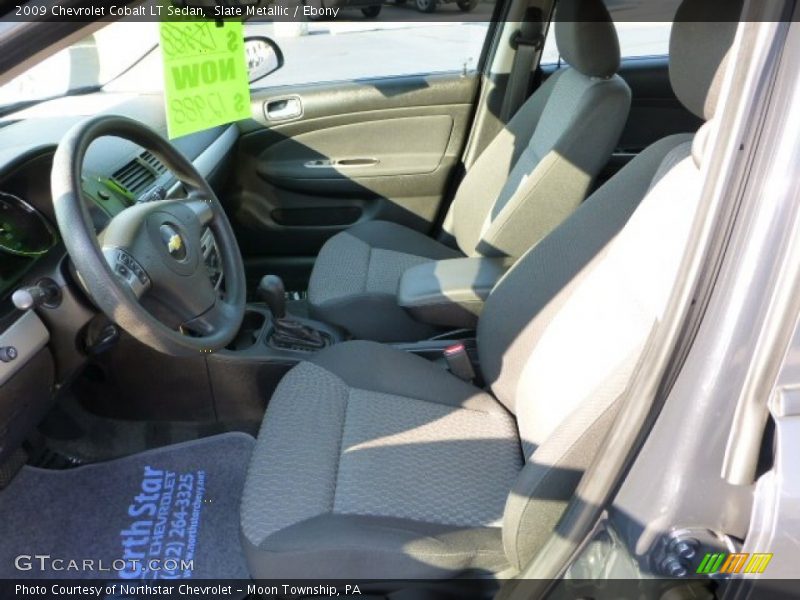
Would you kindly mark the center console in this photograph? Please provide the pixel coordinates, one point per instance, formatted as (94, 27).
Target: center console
(263, 337)
(452, 292)
(271, 333)
(271, 340)
(244, 375)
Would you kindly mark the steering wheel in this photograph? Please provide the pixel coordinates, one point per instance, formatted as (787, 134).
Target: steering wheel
(152, 250)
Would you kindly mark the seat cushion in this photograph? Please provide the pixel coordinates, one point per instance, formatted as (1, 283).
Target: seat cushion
(356, 275)
(365, 476)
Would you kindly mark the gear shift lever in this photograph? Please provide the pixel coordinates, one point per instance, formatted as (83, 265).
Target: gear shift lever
(287, 332)
(272, 292)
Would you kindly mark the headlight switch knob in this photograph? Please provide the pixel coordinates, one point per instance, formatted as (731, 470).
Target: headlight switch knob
(45, 293)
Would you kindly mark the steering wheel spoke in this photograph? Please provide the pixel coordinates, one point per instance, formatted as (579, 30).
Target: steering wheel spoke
(211, 320)
(202, 208)
(128, 270)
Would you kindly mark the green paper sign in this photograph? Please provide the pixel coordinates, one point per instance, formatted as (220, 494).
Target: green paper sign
(205, 75)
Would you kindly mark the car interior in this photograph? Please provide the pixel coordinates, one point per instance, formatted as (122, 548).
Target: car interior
(377, 331)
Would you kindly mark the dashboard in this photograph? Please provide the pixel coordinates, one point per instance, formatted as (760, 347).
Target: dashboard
(116, 174)
(40, 350)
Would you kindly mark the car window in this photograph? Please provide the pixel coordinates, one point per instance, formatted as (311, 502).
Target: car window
(642, 27)
(90, 62)
(345, 51)
(635, 40)
(313, 52)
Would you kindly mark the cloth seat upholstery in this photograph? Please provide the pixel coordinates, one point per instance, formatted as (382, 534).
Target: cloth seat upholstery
(373, 463)
(527, 181)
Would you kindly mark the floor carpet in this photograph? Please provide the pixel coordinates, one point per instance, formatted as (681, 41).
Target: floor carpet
(172, 512)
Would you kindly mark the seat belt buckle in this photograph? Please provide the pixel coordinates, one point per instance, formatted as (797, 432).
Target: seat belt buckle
(458, 362)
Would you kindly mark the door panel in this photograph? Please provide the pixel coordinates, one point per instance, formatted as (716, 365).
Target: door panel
(344, 154)
(319, 158)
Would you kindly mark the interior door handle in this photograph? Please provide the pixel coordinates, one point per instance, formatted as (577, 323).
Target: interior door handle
(357, 162)
(283, 108)
(329, 163)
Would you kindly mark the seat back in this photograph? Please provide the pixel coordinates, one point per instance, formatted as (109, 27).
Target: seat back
(561, 333)
(540, 166)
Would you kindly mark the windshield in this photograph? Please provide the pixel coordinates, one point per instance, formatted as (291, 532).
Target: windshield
(90, 63)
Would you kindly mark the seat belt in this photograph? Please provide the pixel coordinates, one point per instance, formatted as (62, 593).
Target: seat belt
(459, 362)
(527, 42)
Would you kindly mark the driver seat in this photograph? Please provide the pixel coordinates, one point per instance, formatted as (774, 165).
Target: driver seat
(374, 463)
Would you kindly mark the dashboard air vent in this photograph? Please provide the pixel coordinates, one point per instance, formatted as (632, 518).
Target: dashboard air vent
(152, 162)
(139, 174)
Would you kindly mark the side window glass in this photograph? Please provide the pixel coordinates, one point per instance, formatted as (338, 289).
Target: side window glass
(325, 51)
(639, 35)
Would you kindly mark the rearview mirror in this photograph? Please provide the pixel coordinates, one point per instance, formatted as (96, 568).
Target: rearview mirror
(263, 57)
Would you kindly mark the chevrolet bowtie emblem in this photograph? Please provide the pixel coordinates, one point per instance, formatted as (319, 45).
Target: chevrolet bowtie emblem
(174, 244)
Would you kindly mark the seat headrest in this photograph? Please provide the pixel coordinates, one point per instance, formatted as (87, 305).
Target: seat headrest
(701, 39)
(586, 37)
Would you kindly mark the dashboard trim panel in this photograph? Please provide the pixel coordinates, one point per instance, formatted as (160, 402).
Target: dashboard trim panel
(28, 335)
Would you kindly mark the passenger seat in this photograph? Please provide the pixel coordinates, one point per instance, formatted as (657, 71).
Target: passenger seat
(527, 181)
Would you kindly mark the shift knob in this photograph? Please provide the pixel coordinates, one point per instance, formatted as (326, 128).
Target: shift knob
(272, 292)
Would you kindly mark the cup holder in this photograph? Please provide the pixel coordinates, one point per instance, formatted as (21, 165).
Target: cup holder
(252, 324)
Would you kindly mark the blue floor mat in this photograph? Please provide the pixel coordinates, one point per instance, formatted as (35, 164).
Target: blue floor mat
(168, 513)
